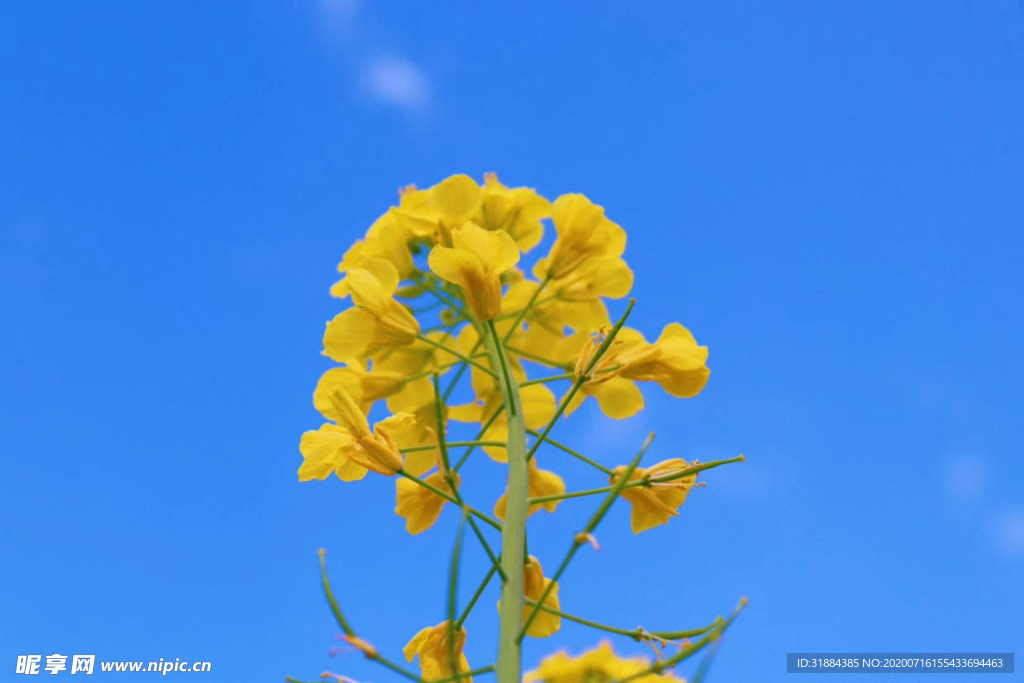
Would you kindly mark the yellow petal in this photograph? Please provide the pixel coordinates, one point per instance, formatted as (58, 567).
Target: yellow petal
(619, 398)
(496, 249)
(455, 265)
(457, 198)
(349, 335)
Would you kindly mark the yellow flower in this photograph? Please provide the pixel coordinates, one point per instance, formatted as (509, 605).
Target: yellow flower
(600, 665)
(654, 505)
(364, 388)
(475, 263)
(540, 483)
(534, 585)
(516, 210)
(618, 397)
(386, 239)
(432, 645)
(376, 321)
(434, 213)
(547, 320)
(418, 399)
(419, 505)
(584, 233)
(350, 448)
(674, 361)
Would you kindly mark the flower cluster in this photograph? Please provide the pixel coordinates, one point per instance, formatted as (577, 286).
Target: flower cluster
(437, 288)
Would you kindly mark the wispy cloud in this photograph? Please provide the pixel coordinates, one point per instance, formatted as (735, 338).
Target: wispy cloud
(966, 477)
(398, 82)
(384, 77)
(1008, 532)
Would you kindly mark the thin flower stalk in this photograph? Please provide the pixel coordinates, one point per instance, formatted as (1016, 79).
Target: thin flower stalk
(579, 539)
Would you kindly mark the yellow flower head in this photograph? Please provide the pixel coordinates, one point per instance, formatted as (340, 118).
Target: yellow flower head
(432, 645)
(654, 505)
(350, 448)
(475, 263)
(376, 321)
(540, 483)
(600, 665)
(435, 212)
(419, 505)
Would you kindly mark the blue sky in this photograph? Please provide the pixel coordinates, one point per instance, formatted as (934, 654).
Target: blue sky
(828, 196)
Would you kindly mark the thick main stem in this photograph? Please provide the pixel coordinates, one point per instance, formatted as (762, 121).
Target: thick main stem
(513, 535)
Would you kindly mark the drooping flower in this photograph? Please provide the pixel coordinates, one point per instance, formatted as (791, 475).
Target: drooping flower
(475, 263)
(419, 505)
(534, 585)
(432, 644)
(540, 483)
(350, 448)
(376, 321)
(675, 361)
(655, 503)
(600, 665)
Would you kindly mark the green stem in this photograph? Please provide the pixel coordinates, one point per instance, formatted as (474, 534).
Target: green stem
(453, 591)
(451, 477)
(525, 309)
(640, 482)
(375, 656)
(535, 358)
(637, 634)
(712, 635)
(575, 454)
(464, 358)
(581, 537)
(545, 380)
(582, 378)
(454, 444)
(513, 535)
(495, 568)
(466, 674)
(483, 430)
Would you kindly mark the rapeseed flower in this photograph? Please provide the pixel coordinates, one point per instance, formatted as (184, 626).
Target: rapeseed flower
(534, 584)
(655, 502)
(419, 505)
(350, 448)
(432, 644)
(475, 263)
(541, 483)
(376, 321)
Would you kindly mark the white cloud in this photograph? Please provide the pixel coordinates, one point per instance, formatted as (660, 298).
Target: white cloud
(340, 16)
(399, 82)
(966, 477)
(383, 76)
(1008, 532)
